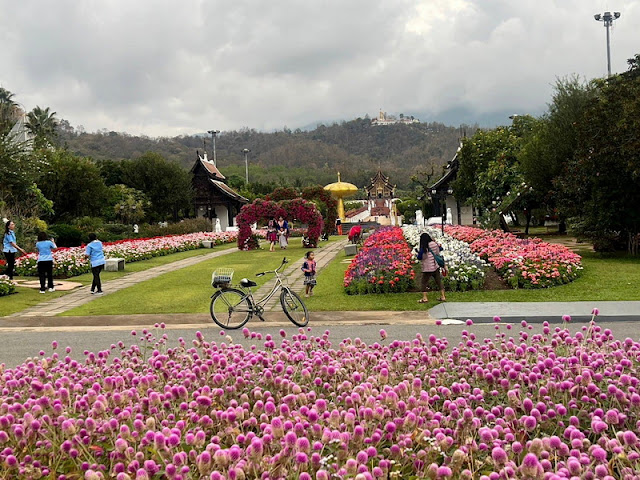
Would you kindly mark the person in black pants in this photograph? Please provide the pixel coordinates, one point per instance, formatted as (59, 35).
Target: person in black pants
(96, 257)
(45, 249)
(10, 247)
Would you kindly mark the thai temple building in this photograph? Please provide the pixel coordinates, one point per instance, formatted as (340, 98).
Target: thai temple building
(380, 204)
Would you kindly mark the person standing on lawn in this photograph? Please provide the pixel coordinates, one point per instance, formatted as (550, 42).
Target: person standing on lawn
(430, 268)
(272, 234)
(283, 232)
(96, 257)
(45, 248)
(10, 247)
(309, 269)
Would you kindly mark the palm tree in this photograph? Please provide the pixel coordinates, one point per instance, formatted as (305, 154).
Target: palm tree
(8, 109)
(42, 124)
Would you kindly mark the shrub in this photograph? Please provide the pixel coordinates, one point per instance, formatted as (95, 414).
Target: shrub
(66, 235)
(6, 286)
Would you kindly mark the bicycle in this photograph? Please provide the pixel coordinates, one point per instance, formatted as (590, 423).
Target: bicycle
(233, 306)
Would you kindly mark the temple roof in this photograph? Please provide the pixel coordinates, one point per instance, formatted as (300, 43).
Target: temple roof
(227, 191)
(449, 174)
(209, 166)
(380, 177)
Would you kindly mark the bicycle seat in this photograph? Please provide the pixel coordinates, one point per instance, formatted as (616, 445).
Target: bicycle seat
(246, 283)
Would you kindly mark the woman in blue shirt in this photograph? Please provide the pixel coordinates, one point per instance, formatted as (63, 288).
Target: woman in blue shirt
(45, 248)
(10, 247)
(96, 257)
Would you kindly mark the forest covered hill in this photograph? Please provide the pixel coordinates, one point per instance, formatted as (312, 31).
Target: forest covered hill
(356, 148)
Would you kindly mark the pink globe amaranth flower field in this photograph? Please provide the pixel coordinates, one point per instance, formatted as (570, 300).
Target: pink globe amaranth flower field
(523, 263)
(533, 406)
(382, 265)
(70, 262)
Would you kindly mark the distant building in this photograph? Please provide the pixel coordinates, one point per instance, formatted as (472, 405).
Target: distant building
(380, 204)
(19, 133)
(386, 119)
(213, 198)
(444, 197)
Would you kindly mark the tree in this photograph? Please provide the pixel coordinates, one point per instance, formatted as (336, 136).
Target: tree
(42, 124)
(554, 138)
(8, 110)
(128, 203)
(600, 186)
(74, 184)
(166, 185)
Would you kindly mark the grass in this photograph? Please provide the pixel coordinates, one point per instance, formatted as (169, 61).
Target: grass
(28, 297)
(611, 277)
(187, 290)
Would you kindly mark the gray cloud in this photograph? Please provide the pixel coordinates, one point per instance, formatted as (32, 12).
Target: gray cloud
(168, 68)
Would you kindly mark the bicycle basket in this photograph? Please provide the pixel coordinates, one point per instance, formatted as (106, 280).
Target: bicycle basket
(221, 276)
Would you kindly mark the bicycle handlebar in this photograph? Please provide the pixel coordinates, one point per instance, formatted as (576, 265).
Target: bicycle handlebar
(284, 261)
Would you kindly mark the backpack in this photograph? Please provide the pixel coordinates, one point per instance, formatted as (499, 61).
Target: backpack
(438, 258)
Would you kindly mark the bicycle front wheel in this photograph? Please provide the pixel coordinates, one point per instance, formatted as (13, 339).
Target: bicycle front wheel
(294, 307)
(230, 308)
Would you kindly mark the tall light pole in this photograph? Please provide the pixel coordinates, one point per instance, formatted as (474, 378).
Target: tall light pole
(246, 165)
(214, 133)
(608, 19)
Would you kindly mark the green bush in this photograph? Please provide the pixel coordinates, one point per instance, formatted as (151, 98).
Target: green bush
(189, 225)
(66, 235)
(6, 286)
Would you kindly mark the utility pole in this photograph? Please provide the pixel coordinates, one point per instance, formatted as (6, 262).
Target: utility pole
(214, 134)
(608, 19)
(246, 165)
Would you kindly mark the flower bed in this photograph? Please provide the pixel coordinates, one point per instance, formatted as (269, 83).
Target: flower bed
(69, 262)
(466, 270)
(523, 263)
(7, 286)
(383, 264)
(538, 406)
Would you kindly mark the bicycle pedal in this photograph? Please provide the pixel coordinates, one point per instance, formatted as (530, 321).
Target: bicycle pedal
(261, 318)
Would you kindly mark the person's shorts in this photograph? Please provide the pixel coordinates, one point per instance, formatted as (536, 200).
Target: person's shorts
(425, 280)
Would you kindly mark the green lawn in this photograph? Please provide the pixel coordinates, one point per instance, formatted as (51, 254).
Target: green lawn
(28, 297)
(611, 277)
(188, 290)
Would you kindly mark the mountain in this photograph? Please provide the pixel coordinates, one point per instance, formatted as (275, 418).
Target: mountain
(356, 148)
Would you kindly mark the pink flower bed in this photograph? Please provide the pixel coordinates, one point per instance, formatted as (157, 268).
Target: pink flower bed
(382, 265)
(531, 406)
(69, 262)
(523, 263)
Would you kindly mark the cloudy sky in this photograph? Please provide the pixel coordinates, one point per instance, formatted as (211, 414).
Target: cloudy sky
(168, 67)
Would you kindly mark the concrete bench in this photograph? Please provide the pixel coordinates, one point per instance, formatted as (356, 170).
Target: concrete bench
(114, 264)
(350, 249)
(208, 244)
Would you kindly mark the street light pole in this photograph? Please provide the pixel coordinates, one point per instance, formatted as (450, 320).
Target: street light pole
(608, 19)
(214, 133)
(246, 165)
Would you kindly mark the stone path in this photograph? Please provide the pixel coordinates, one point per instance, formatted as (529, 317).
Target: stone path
(294, 275)
(82, 295)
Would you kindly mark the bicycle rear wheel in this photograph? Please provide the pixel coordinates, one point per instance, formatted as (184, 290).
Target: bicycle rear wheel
(294, 307)
(230, 308)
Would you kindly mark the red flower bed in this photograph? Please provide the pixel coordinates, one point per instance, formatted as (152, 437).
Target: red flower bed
(524, 263)
(383, 265)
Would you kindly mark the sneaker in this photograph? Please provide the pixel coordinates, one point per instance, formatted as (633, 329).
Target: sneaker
(100, 293)
(52, 289)
(42, 291)
(92, 292)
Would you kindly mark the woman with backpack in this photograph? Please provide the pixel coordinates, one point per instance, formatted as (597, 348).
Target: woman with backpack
(430, 268)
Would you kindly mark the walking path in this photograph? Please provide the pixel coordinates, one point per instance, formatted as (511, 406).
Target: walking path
(294, 273)
(82, 295)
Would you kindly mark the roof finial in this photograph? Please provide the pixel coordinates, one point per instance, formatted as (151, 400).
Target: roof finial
(339, 177)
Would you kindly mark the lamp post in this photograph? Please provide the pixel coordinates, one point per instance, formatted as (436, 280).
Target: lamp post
(437, 196)
(246, 165)
(607, 18)
(214, 134)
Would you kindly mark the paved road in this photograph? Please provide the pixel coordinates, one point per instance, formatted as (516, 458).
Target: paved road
(18, 344)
